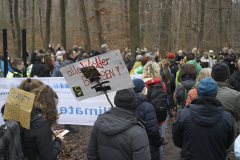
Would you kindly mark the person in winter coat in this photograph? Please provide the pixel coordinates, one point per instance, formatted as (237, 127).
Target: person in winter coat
(180, 55)
(59, 53)
(137, 63)
(173, 64)
(187, 78)
(18, 67)
(38, 68)
(211, 55)
(231, 58)
(128, 61)
(151, 75)
(118, 133)
(70, 58)
(146, 112)
(48, 63)
(145, 59)
(38, 141)
(57, 64)
(204, 130)
(229, 98)
(205, 72)
(206, 61)
(2, 66)
(33, 56)
(234, 79)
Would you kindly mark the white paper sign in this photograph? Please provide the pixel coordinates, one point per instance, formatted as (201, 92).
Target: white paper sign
(111, 67)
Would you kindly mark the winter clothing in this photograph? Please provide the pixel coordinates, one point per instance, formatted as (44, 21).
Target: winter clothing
(136, 64)
(65, 63)
(33, 58)
(138, 70)
(56, 72)
(179, 57)
(191, 95)
(2, 67)
(146, 112)
(173, 67)
(207, 87)
(230, 100)
(220, 72)
(14, 73)
(118, 134)
(125, 98)
(128, 63)
(231, 58)
(204, 131)
(224, 62)
(170, 56)
(237, 148)
(48, 62)
(198, 67)
(207, 61)
(214, 57)
(149, 81)
(170, 86)
(139, 85)
(38, 142)
(187, 83)
(38, 69)
(234, 81)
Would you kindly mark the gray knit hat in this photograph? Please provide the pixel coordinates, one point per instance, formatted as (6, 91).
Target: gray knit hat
(126, 99)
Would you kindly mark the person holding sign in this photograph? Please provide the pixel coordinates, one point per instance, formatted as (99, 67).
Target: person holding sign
(38, 141)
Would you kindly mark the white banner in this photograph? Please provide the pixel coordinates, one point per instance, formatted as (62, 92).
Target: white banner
(84, 112)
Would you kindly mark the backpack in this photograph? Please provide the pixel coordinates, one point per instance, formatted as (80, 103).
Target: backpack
(186, 93)
(11, 147)
(157, 96)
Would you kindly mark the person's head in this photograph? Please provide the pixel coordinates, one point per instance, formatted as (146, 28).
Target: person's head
(146, 59)
(211, 52)
(220, 57)
(230, 51)
(85, 56)
(59, 53)
(30, 84)
(139, 58)
(104, 48)
(81, 50)
(187, 71)
(142, 52)
(45, 101)
(126, 99)
(170, 56)
(76, 50)
(164, 65)
(205, 54)
(48, 53)
(39, 57)
(139, 86)
(207, 87)
(225, 50)
(18, 64)
(151, 70)
(60, 59)
(70, 54)
(180, 52)
(205, 72)
(128, 55)
(96, 53)
(190, 56)
(220, 72)
(194, 50)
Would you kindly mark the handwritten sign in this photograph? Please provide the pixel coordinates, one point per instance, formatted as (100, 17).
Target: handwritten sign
(18, 106)
(111, 67)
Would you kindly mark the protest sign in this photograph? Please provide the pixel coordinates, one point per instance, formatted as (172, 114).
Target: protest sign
(113, 72)
(18, 106)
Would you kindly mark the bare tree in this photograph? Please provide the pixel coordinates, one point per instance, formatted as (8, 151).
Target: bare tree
(33, 26)
(48, 14)
(40, 22)
(63, 22)
(201, 34)
(24, 14)
(18, 53)
(11, 18)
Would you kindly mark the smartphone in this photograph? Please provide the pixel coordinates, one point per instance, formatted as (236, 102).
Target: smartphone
(64, 133)
(59, 112)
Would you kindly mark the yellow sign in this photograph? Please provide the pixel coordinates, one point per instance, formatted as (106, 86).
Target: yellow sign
(18, 106)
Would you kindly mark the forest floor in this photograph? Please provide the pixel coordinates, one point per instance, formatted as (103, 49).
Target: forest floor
(75, 145)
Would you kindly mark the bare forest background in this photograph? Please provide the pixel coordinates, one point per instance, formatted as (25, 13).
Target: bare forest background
(167, 25)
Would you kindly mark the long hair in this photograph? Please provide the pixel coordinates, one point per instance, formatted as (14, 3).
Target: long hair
(187, 69)
(165, 65)
(205, 72)
(151, 70)
(44, 101)
(30, 84)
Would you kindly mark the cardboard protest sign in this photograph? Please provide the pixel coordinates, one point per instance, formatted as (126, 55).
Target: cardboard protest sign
(18, 106)
(112, 69)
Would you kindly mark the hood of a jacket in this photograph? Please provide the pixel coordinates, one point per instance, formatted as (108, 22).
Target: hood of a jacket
(148, 81)
(117, 120)
(206, 111)
(140, 99)
(173, 63)
(236, 75)
(188, 83)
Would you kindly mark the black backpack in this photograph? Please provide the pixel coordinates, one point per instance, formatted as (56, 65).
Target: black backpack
(157, 96)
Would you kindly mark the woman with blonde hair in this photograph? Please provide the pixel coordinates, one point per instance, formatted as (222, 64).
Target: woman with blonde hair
(205, 72)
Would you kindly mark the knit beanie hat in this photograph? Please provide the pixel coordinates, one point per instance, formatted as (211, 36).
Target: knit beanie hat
(220, 72)
(126, 99)
(207, 87)
(170, 56)
(139, 85)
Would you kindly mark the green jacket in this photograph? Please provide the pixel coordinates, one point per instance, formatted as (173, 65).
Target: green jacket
(198, 67)
(136, 65)
(139, 70)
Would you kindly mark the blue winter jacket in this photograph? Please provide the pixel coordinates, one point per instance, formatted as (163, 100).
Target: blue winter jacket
(56, 72)
(2, 67)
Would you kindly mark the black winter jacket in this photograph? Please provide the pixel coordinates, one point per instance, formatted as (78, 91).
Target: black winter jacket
(234, 81)
(65, 63)
(118, 134)
(128, 63)
(146, 112)
(231, 58)
(173, 67)
(204, 131)
(38, 142)
(33, 58)
(39, 70)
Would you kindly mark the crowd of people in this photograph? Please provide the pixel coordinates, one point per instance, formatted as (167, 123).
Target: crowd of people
(202, 91)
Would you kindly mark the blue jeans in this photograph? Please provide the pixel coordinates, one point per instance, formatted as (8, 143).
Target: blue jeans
(160, 149)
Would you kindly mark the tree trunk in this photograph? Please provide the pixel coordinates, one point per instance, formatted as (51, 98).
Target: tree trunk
(189, 23)
(126, 21)
(48, 14)
(134, 26)
(220, 24)
(24, 14)
(18, 53)
(63, 23)
(98, 23)
(201, 34)
(85, 30)
(11, 18)
(142, 16)
(178, 27)
(170, 28)
(40, 24)
(33, 26)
